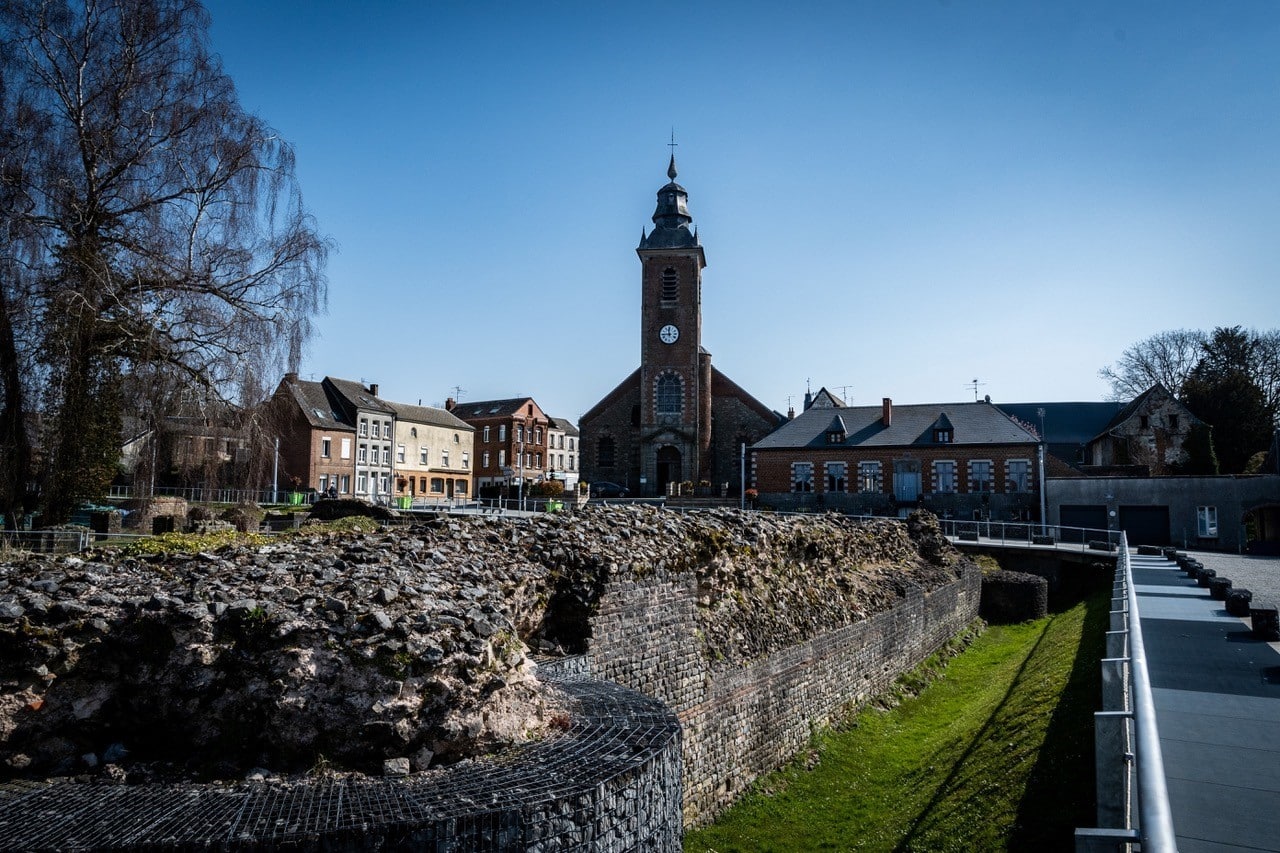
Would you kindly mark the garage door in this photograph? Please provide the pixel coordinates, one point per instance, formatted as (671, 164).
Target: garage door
(1092, 517)
(1145, 525)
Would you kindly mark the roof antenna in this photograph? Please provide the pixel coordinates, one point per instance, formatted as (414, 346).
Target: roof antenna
(974, 384)
(458, 391)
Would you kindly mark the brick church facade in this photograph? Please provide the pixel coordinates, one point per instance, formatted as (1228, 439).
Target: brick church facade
(676, 418)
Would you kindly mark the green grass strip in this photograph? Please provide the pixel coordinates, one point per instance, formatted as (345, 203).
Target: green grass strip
(996, 754)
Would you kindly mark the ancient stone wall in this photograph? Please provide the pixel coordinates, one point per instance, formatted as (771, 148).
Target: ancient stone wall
(741, 721)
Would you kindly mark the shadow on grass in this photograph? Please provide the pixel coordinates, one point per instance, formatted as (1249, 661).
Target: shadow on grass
(945, 788)
(1060, 789)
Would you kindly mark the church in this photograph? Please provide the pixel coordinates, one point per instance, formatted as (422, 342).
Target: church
(676, 418)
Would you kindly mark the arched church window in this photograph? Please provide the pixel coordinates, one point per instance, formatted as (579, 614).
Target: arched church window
(670, 286)
(669, 399)
(605, 452)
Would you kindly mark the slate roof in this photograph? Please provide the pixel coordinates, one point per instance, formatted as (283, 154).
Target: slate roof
(429, 415)
(320, 411)
(912, 425)
(1068, 427)
(491, 408)
(564, 425)
(358, 395)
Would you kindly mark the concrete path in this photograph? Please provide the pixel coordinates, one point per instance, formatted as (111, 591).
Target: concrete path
(1217, 697)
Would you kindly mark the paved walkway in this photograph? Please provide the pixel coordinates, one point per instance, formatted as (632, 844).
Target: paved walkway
(1217, 697)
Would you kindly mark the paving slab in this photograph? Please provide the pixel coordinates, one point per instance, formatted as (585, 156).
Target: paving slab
(1217, 698)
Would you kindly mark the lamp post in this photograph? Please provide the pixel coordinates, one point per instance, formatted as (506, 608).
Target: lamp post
(520, 465)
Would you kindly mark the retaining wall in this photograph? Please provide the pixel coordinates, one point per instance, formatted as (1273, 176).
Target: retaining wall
(741, 722)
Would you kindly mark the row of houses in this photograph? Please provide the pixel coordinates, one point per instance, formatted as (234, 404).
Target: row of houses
(340, 438)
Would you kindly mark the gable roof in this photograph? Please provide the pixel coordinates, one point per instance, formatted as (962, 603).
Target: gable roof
(1068, 427)
(429, 415)
(910, 425)
(320, 410)
(1138, 404)
(357, 396)
(563, 425)
(492, 408)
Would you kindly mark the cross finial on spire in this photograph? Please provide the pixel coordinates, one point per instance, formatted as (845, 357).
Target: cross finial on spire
(671, 169)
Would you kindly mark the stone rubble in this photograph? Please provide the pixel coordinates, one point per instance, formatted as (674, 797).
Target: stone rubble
(394, 651)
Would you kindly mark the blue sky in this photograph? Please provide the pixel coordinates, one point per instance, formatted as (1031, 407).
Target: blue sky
(894, 197)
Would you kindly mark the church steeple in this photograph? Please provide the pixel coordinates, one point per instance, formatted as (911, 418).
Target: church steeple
(671, 217)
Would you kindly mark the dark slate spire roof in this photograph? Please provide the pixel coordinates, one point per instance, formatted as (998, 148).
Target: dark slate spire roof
(942, 423)
(671, 217)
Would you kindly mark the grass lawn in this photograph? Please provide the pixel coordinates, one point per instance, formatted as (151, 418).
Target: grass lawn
(996, 754)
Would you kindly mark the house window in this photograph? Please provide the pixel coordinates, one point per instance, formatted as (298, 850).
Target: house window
(1019, 476)
(1144, 421)
(423, 455)
(364, 427)
(570, 461)
(836, 476)
(944, 477)
(444, 459)
(385, 480)
(520, 433)
(422, 485)
(670, 286)
(605, 451)
(669, 397)
(362, 483)
(400, 453)
(460, 487)
(571, 444)
(466, 460)
(486, 434)
(1206, 521)
(980, 475)
(484, 459)
(326, 447)
(362, 455)
(386, 454)
(802, 476)
(1173, 421)
(346, 484)
(502, 432)
(323, 484)
(537, 460)
(437, 485)
(377, 429)
(502, 458)
(537, 435)
(346, 448)
(869, 479)
(943, 436)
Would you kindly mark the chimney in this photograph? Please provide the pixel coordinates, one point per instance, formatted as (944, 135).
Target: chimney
(808, 399)
(791, 413)
(886, 409)
(373, 388)
(450, 404)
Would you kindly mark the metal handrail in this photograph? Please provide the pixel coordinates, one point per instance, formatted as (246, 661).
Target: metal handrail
(1155, 818)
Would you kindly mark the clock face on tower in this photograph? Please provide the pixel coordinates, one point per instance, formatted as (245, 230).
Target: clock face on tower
(669, 334)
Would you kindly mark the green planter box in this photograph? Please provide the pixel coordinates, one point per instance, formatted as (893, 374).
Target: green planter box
(404, 502)
(295, 498)
(555, 506)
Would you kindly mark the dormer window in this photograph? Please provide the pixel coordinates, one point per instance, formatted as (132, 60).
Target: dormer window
(836, 432)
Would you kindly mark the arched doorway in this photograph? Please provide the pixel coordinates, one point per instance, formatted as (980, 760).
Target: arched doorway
(668, 468)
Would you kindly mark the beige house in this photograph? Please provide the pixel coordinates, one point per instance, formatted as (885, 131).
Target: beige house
(431, 455)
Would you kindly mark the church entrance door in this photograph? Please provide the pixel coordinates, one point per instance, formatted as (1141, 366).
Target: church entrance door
(668, 468)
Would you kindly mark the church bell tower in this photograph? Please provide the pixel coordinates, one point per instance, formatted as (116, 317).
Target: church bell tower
(675, 372)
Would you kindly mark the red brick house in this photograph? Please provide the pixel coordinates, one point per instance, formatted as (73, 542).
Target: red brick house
(317, 440)
(959, 460)
(511, 441)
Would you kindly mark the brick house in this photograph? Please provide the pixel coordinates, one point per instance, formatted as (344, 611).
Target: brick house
(510, 441)
(958, 460)
(317, 443)
(432, 455)
(676, 418)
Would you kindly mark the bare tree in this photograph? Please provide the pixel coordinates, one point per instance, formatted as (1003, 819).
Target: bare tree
(165, 226)
(1166, 358)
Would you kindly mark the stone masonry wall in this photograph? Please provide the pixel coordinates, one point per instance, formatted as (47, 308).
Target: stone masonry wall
(742, 721)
